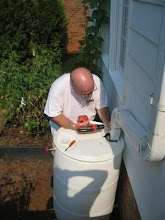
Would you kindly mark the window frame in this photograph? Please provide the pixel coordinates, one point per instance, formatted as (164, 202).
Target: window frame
(105, 34)
(116, 71)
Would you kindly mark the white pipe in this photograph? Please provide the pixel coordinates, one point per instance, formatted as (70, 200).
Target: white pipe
(156, 129)
(122, 119)
(115, 127)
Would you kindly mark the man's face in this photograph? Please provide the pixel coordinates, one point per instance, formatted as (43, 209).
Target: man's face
(83, 94)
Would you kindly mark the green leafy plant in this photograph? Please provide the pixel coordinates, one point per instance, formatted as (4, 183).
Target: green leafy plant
(91, 44)
(24, 91)
(33, 42)
(26, 25)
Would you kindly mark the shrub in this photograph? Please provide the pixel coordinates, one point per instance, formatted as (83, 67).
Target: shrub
(32, 45)
(27, 24)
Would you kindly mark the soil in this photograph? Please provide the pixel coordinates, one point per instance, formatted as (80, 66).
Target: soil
(17, 136)
(26, 186)
(26, 190)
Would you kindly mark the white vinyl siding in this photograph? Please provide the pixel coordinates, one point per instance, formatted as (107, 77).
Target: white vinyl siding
(145, 52)
(143, 73)
(142, 55)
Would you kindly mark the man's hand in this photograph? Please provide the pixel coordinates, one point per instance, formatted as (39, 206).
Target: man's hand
(107, 137)
(80, 124)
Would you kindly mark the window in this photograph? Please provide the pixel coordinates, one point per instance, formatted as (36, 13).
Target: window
(119, 11)
(124, 33)
(118, 33)
(115, 35)
(105, 34)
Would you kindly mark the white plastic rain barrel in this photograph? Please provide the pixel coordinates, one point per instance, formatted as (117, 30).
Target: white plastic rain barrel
(85, 176)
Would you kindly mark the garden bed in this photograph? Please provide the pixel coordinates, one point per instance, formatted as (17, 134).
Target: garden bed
(26, 189)
(17, 136)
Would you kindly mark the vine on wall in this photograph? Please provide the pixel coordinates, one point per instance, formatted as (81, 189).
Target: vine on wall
(90, 45)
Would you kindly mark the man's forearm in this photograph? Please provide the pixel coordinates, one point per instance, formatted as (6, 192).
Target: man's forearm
(63, 121)
(104, 115)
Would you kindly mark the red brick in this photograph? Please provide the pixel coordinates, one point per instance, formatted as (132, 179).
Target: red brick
(125, 199)
(76, 18)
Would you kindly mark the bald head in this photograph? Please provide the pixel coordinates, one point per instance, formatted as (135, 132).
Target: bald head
(82, 79)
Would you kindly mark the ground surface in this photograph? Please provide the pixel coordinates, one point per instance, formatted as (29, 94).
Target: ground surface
(16, 136)
(26, 185)
(26, 190)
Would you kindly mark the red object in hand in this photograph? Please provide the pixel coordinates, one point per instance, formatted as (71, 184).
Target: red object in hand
(89, 127)
(82, 118)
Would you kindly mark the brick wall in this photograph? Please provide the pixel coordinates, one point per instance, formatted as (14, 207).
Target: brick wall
(125, 199)
(76, 18)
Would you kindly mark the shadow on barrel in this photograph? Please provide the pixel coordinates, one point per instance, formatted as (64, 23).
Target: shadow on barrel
(81, 194)
(86, 176)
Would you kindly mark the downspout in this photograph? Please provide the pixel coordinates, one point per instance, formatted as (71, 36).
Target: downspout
(156, 129)
(121, 119)
(149, 143)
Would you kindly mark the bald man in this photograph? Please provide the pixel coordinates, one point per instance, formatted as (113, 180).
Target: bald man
(75, 94)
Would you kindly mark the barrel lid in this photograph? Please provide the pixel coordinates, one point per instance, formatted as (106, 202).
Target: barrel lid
(91, 147)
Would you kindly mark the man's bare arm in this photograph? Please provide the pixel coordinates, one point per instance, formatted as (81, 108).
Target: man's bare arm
(104, 115)
(65, 122)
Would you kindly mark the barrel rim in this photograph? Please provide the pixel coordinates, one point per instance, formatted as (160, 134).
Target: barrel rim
(96, 160)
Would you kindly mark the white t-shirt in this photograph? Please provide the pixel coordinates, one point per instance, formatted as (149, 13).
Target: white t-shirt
(63, 99)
